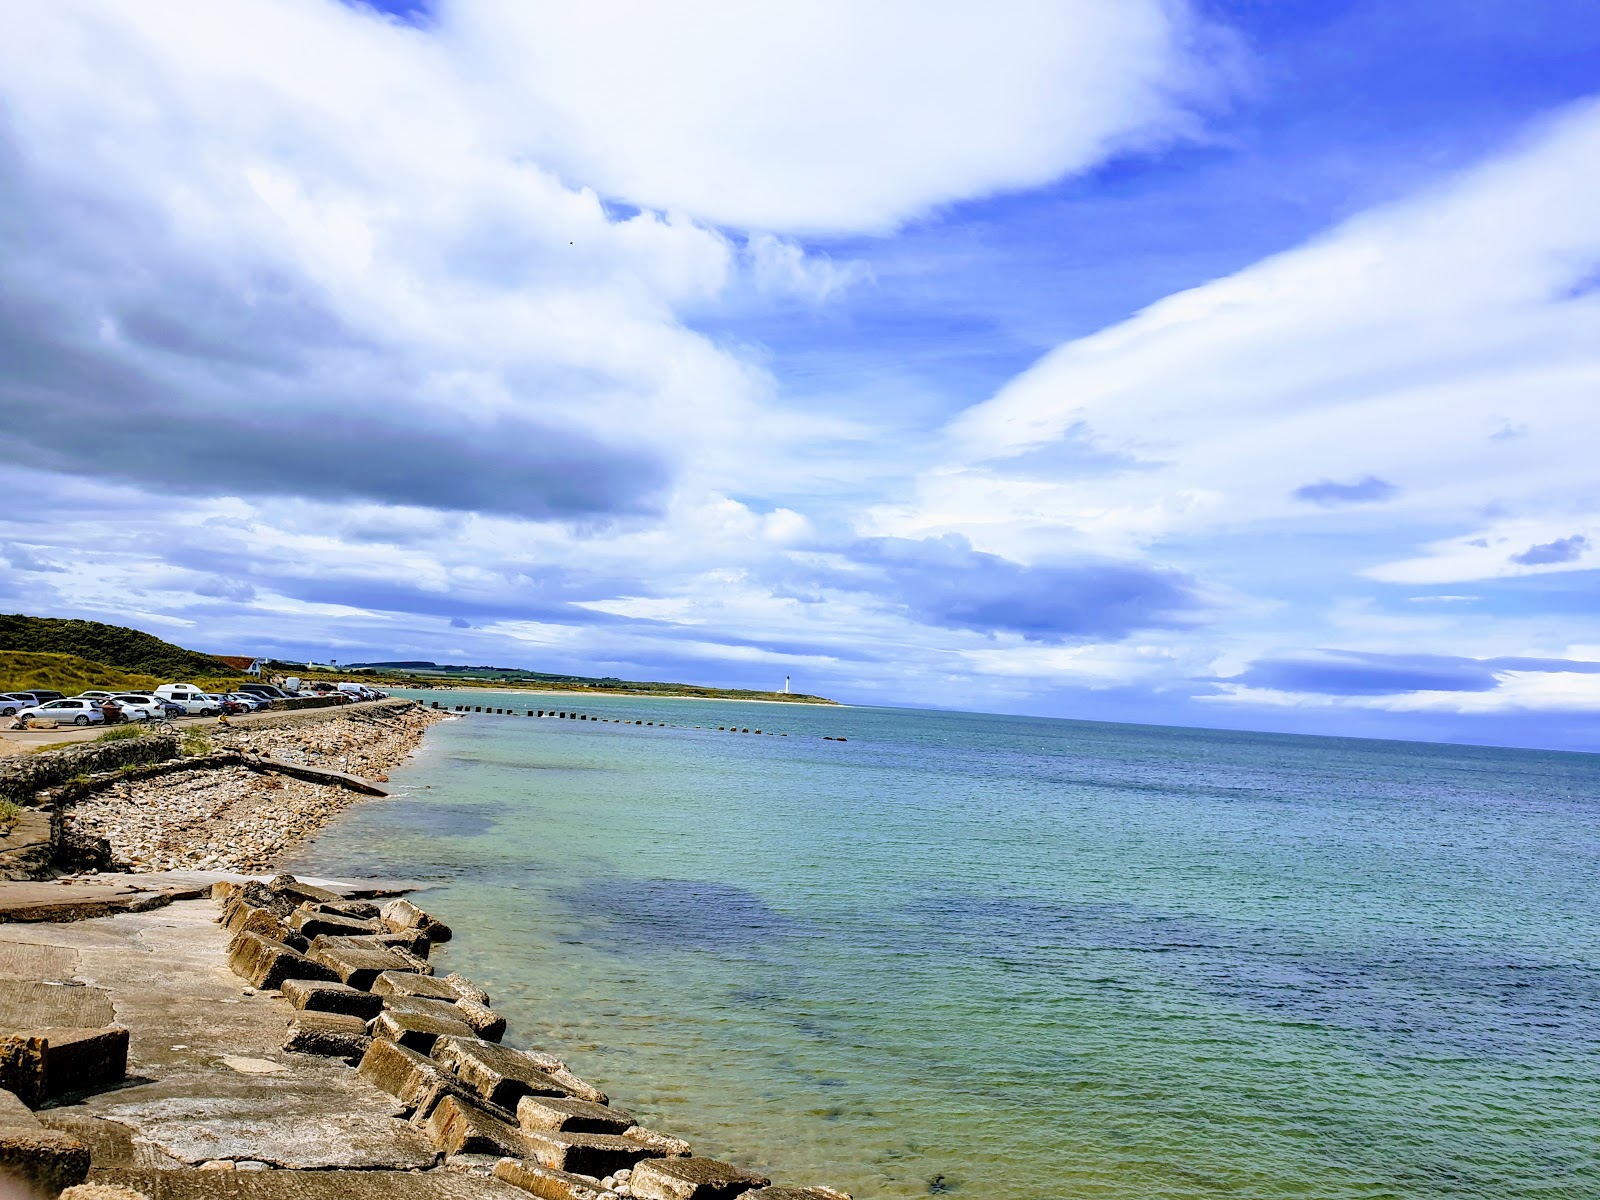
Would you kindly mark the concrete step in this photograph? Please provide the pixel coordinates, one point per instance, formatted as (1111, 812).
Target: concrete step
(306, 1185)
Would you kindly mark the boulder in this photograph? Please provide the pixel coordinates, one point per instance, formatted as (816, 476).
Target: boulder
(357, 967)
(545, 1182)
(486, 1023)
(266, 963)
(466, 989)
(258, 895)
(312, 924)
(409, 983)
(661, 1143)
(37, 1159)
(101, 1191)
(402, 915)
(691, 1179)
(298, 893)
(569, 1113)
(418, 1031)
(22, 1067)
(597, 1154)
(332, 1035)
(424, 1007)
(496, 1073)
(361, 910)
(413, 1079)
(458, 1126)
(81, 1060)
(311, 995)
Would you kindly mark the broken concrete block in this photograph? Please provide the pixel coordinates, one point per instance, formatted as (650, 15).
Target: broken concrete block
(485, 1022)
(291, 888)
(81, 1060)
(413, 1079)
(466, 989)
(312, 924)
(422, 1006)
(457, 1126)
(361, 910)
(357, 967)
(101, 1191)
(569, 1113)
(409, 983)
(691, 1179)
(22, 1068)
(266, 963)
(317, 995)
(38, 1159)
(545, 1182)
(258, 895)
(661, 1143)
(332, 1035)
(496, 1073)
(597, 1154)
(402, 914)
(418, 1031)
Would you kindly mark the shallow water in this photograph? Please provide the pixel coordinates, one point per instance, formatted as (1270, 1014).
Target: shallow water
(1008, 957)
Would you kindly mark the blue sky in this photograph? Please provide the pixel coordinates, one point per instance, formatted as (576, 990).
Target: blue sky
(1228, 364)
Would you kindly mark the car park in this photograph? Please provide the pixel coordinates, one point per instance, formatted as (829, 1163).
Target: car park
(136, 707)
(66, 712)
(12, 703)
(195, 702)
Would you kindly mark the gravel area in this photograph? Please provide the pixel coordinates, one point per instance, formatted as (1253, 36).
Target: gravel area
(234, 818)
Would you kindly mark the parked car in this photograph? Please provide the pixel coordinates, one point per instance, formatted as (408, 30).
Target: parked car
(195, 702)
(101, 696)
(12, 703)
(251, 701)
(265, 690)
(137, 707)
(228, 706)
(44, 696)
(67, 712)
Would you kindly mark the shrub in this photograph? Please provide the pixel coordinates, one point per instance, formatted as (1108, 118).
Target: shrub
(121, 733)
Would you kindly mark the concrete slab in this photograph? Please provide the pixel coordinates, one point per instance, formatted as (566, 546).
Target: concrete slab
(307, 1185)
(565, 1112)
(24, 960)
(545, 1182)
(57, 901)
(30, 1003)
(692, 1179)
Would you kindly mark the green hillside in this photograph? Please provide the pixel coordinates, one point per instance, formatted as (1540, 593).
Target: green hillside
(22, 671)
(109, 646)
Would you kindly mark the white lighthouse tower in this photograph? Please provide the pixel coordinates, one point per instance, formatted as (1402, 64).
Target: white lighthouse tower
(785, 685)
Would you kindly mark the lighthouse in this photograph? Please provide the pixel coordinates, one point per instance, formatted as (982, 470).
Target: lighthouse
(785, 685)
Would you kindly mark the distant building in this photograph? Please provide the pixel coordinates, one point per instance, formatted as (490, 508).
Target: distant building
(240, 662)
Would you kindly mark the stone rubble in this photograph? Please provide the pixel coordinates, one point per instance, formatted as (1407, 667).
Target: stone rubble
(237, 819)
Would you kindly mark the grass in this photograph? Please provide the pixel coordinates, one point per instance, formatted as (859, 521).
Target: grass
(9, 812)
(24, 670)
(122, 733)
(195, 742)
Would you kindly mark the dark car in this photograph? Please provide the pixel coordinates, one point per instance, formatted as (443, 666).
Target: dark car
(263, 689)
(44, 697)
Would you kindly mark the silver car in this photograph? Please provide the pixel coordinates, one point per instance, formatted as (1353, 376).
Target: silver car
(10, 706)
(66, 712)
(139, 708)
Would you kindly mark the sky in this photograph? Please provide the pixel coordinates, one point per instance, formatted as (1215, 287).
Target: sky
(1232, 364)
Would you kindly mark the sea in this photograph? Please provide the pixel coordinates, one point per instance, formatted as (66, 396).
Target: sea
(910, 953)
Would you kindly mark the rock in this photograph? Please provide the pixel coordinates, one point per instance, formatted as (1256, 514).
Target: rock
(458, 1126)
(22, 1068)
(265, 963)
(409, 983)
(568, 1113)
(424, 1007)
(288, 886)
(320, 996)
(466, 989)
(545, 1182)
(418, 1031)
(661, 1143)
(594, 1154)
(332, 1035)
(360, 910)
(81, 1060)
(496, 1073)
(357, 967)
(413, 1079)
(259, 895)
(39, 1159)
(486, 1023)
(312, 924)
(691, 1179)
(400, 915)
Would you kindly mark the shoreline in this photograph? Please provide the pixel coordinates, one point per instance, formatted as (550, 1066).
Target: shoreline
(595, 695)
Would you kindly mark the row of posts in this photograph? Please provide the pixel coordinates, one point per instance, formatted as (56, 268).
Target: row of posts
(572, 716)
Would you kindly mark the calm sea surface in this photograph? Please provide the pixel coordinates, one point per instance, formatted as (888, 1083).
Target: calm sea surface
(1004, 957)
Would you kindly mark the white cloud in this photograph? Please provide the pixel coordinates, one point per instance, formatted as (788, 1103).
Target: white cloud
(1391, 351)
(1516, 692)
(826, 114)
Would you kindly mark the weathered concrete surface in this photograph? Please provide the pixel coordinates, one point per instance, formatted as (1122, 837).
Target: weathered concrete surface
(359, 967)
(566, 1112)
(267, 963)
(417, 1030)
(795, 1193)
(332, 1035)
(307, 1185)
(415, 1081)
(496, 1073)
(402, 914)
(597, 1154)
(691, 1179)
(458, 1126)
(409, 983)
(32, 1003)
(190, 1019)
(26, 851)
(313, 995)
(80, 901)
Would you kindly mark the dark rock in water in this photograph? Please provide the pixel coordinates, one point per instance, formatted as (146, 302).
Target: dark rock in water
(332, 1035)
(691, 1179)
(566, 1112)
(320, 996)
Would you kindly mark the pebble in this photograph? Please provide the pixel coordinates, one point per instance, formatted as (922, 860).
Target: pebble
(236, 819)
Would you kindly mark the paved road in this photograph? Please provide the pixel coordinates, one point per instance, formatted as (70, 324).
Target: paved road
(22, 741)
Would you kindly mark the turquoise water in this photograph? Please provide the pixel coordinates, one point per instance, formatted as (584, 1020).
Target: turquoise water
(1007, 957)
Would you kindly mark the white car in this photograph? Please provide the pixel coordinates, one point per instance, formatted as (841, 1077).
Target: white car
(76, 711)
(256, 703)
(10, 706)
(97, 697)
(139, 708)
